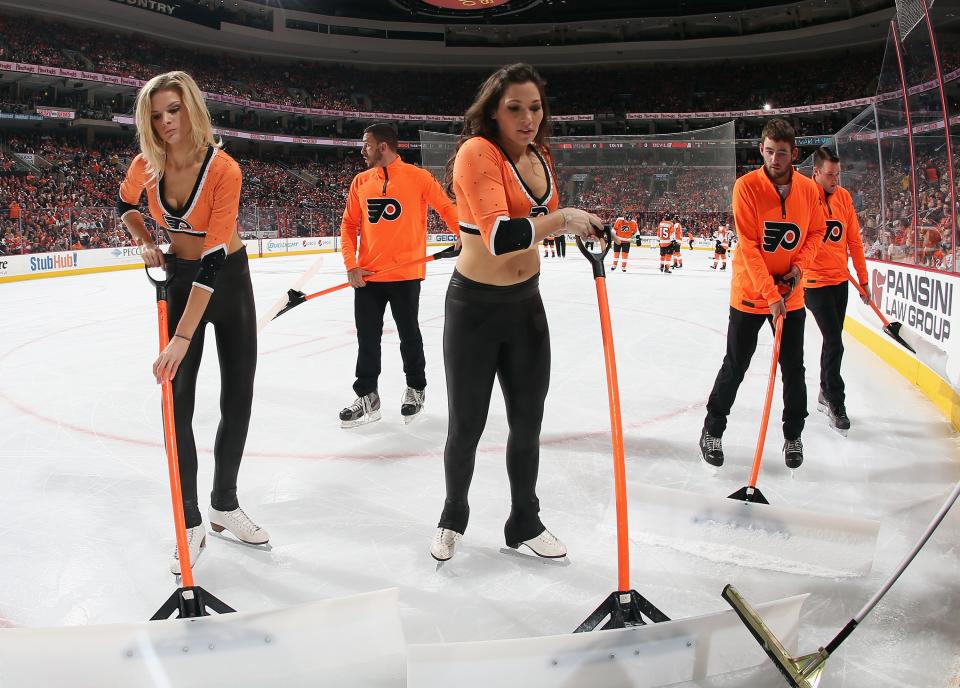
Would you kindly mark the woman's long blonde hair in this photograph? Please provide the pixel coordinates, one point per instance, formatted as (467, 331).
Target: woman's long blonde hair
(151, 145)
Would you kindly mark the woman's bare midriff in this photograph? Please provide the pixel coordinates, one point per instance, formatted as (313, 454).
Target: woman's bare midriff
(191, 247)
(478, 264)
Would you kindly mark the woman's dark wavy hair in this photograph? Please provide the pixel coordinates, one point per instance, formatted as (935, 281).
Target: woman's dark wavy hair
(478, 119)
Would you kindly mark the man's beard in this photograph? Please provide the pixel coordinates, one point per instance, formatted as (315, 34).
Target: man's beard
(783, 176)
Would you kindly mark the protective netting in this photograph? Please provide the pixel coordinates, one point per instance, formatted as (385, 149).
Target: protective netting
(688, 174)
(909, 14)
(897, 159)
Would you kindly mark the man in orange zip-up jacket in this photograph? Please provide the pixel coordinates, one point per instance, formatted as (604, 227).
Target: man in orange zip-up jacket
(387, 210)
(825, 283)
(780, 224)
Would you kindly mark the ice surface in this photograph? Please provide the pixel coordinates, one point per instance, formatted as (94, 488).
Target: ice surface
(85, 530)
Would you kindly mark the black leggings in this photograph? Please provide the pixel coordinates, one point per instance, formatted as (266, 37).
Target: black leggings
(492, 331)
(561, 241)
(231, 311)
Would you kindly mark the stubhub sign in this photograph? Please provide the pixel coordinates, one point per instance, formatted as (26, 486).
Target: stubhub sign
(45, 262)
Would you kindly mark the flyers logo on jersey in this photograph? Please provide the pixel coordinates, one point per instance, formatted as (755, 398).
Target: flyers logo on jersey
(538, 210)
(834, 231)
(177, 224)
(383, 208)
(777, 234)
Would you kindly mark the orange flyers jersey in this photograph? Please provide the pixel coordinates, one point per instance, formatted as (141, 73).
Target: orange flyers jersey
(665, 232)
(634, 227)
(840, 242)
(722, 236)
(624, 230)
(490, 191)
(387, 210)
(210, 211)
(774, 234)
(677, 232)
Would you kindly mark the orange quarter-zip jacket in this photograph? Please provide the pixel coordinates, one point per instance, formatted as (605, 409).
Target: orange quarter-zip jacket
(774, 234)
(387, 212)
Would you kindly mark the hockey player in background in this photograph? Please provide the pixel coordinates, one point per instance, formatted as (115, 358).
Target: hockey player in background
(549, 247)
(722, 239)
(677, 239)
(665, 241)
(623, 231)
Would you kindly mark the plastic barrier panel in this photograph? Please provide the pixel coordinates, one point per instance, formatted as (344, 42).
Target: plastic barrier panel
(351, 641)
(643, 657)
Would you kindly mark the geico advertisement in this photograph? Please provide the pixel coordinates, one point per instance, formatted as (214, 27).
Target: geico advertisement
(441, 238)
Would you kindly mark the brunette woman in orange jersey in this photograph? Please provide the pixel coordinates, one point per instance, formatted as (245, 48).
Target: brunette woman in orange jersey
(193, 193)
(495, 327)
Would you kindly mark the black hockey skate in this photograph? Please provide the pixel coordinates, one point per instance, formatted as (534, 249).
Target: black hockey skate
(363, 410)
(711, 449)
(412, 403)
(836, 415)
(793, 453)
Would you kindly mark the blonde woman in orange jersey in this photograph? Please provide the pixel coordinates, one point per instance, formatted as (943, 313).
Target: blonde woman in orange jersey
(495, 325)
(193, 193)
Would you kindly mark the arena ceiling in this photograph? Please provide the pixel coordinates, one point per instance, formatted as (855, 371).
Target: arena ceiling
(562, 11)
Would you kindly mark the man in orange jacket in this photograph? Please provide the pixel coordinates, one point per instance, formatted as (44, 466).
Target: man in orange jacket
(387, 210)
(825, 282)
(780, 224)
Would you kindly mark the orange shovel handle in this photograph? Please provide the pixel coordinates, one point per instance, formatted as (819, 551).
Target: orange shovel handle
(765, 419)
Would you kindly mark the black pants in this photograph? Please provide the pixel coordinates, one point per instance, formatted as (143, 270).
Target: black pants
(829, 308)
(742, 334)
(561, 245)
(499, 332)
(231, 311)
(623, 248)
(369, 304)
